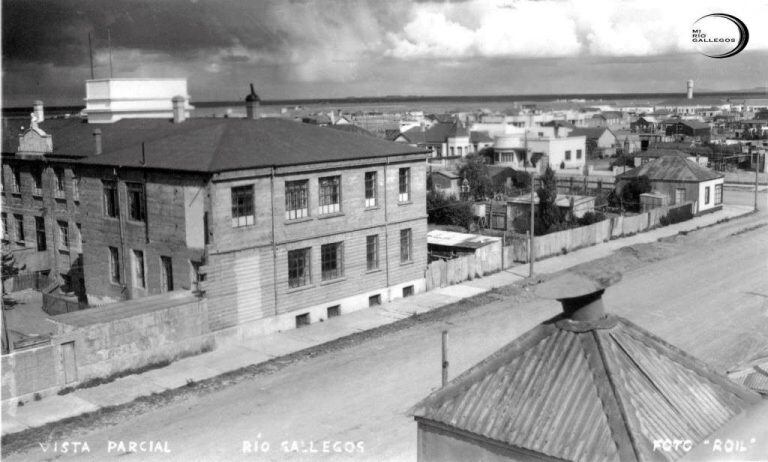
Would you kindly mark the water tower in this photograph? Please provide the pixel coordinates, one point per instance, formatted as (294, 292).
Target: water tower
(690, 89)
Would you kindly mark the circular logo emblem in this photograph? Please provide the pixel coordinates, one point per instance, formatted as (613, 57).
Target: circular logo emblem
(719, 35)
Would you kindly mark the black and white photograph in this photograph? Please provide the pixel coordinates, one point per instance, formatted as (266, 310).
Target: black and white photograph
(406, 230)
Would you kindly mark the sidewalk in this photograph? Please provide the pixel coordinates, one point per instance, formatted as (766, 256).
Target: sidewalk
(260, 349)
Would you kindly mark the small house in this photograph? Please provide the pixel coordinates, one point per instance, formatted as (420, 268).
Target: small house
(681, 180)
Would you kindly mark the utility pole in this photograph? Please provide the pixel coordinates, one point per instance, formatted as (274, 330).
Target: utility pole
(90, 53)
(109, 42)
(444, 363)
(757, 168)
(531, 252)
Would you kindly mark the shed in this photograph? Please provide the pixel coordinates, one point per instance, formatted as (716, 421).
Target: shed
(448, 244)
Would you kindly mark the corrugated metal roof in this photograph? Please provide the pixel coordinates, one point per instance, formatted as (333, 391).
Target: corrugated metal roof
(451, 239)
(671, 168)
(588, 391)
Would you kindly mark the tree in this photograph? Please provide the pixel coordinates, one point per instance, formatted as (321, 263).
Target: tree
(627, 195)
(447, 210)
(549, 215)
(10, 266)
(474, 170)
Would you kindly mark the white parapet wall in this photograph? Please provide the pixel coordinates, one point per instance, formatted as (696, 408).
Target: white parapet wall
(109, 100)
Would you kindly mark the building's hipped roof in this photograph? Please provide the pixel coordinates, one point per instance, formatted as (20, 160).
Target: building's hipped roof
(672, 168)
(211, 144)
(480, 137)
(588, 391)
(695, 124)
(592, 133)
(436, 134)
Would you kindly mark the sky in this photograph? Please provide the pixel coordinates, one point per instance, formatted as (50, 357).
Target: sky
(338, 48)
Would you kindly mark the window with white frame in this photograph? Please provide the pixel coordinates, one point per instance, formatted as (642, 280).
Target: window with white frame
(330, 194)
(404, 185)
(718, 194)
(242, 206)
(370, 189)
(706, 195)
(296, 199)
(578, 153)
(567, 155)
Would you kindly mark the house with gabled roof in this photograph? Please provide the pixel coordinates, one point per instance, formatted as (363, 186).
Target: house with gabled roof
(585, 385)
(444, 139)
(681, 180)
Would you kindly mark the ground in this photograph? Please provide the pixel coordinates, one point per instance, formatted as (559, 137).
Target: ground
(706, 292)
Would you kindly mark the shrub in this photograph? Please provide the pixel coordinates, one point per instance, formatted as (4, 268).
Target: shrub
(590, 218)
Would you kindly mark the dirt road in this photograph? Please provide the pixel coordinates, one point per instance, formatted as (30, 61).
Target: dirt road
(706, 292)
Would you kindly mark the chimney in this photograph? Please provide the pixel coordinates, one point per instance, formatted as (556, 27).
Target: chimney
(37, 109)
(690, 89)
(252, 103)
(580, 294)
(179, 114)
(96, 141)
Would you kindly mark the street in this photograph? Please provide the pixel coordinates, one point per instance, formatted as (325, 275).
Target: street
(706, 292)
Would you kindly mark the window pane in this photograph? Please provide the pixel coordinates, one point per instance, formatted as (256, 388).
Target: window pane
(405, 245)
(404, 185)
(114, 265)
(63, 234)
(242, 206)
(372, 252)
(296, 199)
(370, 189)
(135, 201)
(298, 267)
(330, 194)
(138, 267)
(40, 233)
(331, 261)
(19, 229)
(110, 198)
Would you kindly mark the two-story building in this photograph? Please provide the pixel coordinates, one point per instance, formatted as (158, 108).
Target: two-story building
(282, 223)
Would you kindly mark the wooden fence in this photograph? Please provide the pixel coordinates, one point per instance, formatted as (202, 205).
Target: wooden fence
(485, 260)
(585, 236)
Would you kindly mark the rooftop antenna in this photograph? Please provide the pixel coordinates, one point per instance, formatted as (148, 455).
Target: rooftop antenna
(90, 53)
(109, 42)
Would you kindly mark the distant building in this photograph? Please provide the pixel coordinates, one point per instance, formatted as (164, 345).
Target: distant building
(683, 129)
(600, 141)
(446, 181)
(444, 139)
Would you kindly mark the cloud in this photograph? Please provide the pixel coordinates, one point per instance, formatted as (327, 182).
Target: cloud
(552, 28)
